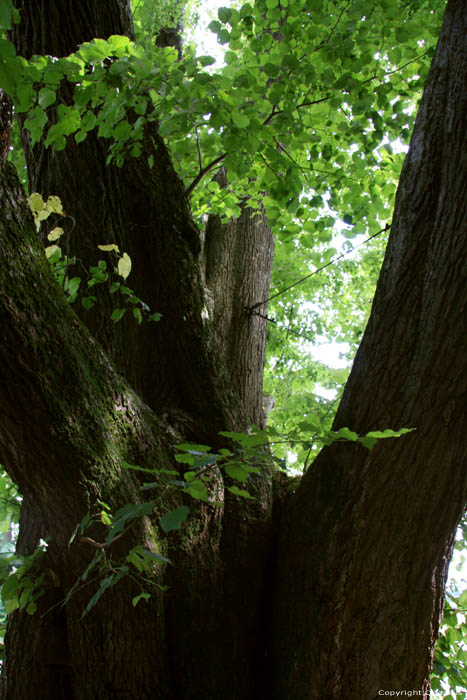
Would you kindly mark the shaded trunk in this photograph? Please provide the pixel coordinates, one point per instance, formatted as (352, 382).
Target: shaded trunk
(177, 368)
(378, 527)
(365, 540)
(78, 420)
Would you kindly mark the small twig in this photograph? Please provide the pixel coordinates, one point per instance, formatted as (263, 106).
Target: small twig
(203, 172)
(106, 545)
(200, 159)
(251, 309)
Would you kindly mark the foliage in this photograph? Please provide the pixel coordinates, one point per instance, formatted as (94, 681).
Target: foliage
(450, 659)
(198, 471)
(61, 264)
(139, 564)
(304, 114)
(22, 581)
(303, 104)
(9, 516)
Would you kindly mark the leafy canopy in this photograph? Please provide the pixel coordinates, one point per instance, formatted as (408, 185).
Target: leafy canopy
(309, 115)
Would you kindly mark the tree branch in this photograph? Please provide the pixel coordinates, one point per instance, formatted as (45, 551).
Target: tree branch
(203, 172)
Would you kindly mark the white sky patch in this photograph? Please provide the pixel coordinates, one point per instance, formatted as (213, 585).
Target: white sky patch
(330, 354)
(206, 41)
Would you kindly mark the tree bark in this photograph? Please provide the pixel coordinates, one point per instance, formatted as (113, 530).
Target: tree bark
(365, 541)
(177, 368)
(237, 259)
(367, 538)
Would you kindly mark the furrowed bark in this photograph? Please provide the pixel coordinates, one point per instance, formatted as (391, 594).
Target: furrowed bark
(145, 212)
(238, 260)
(367, 538)
(67, 421)
(215, 605)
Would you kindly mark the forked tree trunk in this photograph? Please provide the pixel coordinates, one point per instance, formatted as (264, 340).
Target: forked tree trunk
(179, 370)
(365, 541)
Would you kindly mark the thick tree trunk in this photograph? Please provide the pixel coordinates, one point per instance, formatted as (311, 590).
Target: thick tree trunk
(67, 421)
(219, 561)
(367, 537)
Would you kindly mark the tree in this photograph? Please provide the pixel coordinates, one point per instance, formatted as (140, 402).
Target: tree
(334, 590)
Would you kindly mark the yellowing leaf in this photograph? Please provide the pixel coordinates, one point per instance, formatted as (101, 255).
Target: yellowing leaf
(55, 233)
(124, 266)
(50, 250)
(54, 204)
(36, 202)
(42, 214)
(108, 248)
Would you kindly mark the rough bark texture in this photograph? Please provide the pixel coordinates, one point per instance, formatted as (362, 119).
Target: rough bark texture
(367, 537)
(67, 421)
(220, 559)
(238, 260)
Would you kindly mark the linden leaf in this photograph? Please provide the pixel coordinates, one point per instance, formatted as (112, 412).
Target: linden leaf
(124, 266)
(36, 202)
(54, 204)
(55, 233)
(108, 248)
(50, 250)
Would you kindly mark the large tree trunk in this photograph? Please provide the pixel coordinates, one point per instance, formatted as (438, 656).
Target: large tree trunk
(366, 539)
(176, 366)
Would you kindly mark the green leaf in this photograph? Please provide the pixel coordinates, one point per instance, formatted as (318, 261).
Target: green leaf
(224, 14)
(46, 97)
(238, 471)
(206, 60)
(73, 285)
(379, 434)
(240, 492)
(88, 302)
(117, 314)
(345, 434)
(137, 468)
(122, 132)
(119, 44)
(103, 586)
(185, 459)
(193, 447)
(197, 490)
(35, 122)
(240, 119)
(124, 515)
(174, 519)
(141, 596)
(6, 10)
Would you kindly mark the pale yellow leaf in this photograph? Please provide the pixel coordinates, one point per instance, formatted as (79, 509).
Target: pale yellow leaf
(54, 204)
(108, 248)
(124, 266)
(42, 214)
(55, 233)
(50, 250)
(36, 202)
